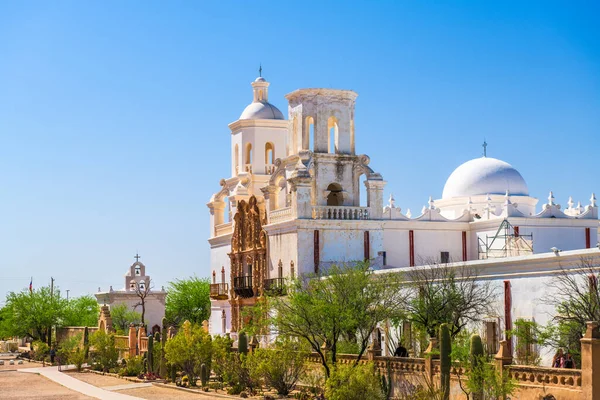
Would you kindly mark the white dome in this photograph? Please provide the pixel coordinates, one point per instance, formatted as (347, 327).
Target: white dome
(261, 110)
(482, 176)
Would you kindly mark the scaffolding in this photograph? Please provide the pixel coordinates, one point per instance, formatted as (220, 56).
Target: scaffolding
(505, 243)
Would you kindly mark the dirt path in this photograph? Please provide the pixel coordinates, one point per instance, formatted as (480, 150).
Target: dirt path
(17, 385)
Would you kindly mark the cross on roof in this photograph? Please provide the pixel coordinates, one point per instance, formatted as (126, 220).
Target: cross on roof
(484, 145)
(260, 70)
(137, 257)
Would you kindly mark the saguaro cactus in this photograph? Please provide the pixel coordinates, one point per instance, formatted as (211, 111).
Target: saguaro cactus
(163, 342)
(243, 343)
(86, 341)
(445, 350)
(150, 357)
(204, 375)
(476, 358)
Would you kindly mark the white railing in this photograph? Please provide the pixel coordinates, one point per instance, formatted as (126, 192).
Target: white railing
(280, 215)
(223, 229)
(340, 212)
(248, 168)
(269, 169)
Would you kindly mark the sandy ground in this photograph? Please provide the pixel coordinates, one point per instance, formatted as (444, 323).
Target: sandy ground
(22, 386)
(98, 380)
(150, 393)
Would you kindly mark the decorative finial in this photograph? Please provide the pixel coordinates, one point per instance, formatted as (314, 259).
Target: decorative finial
(137, 257)
(570, 202)
(431, 205)
(507, 198)
(408, 213)
(260, 70)
(593, 200)
(551, 199)
(392, 201)
(484, 145)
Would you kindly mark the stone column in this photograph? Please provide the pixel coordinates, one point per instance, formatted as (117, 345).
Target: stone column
(502, 359)
(430, 355)
(132, 341)
(141, 334)
(590, 361)
(375, 185)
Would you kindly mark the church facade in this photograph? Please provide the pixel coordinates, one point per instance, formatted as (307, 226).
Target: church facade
(292, 205)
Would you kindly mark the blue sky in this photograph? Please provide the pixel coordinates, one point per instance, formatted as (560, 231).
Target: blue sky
(113, 115)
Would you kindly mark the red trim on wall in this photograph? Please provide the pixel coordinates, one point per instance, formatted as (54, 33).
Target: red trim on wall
(367, 246)
(516, 230)
(507, 314)
(464, 245)
(411, 247)
(317, 258)
(588, 240)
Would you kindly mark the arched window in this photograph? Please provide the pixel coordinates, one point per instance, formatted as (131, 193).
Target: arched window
(236, 158)
(249, 153)
(142, 285)
(332, 128)
(132, 285)
(335, 196)
(308, 134)
(138, 270)
(269, 153)
(214, 277)
(260, 95)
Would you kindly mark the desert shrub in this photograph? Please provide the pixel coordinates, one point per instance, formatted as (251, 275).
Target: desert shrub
(280, 367)
(133, 367)
(105, 353)
(221, 352)
(78, 358)
(40, 350)
(189, 349)
(354, 383)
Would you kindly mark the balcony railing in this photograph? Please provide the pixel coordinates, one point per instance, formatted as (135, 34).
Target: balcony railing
(340, 212)
(275, 286)
(269, 169)
(242, 286)
(219, 291)
(280, 215)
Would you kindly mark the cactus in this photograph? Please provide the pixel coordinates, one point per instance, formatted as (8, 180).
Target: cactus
(204, 375)
(243, 343)
(163, 342)
(86, 341)
(445, 350)
(476, 355)
(150, 357)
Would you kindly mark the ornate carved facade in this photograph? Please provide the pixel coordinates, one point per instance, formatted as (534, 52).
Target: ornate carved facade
(248, 259)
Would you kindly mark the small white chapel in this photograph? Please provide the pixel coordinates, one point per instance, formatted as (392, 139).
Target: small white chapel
(291, 205)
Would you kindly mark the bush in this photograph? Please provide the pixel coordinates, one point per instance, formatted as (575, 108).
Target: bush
(78, 358)
(354, 383)
(105, 353)
(189, 349)
(40, 350)
(221, 352)
(280, 367)
(133, 367)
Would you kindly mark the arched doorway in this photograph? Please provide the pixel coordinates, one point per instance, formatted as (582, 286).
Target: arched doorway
(335, 196)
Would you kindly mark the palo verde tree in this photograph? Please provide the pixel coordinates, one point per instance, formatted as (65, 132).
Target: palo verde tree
(439, 293)
(81, 311)
(321, 308)
(188, 300)
(122, 316)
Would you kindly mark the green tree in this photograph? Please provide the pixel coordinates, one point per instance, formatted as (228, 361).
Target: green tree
(105, 353)
(81, 311)
(32, 314)
(122, 316)
(189, 349)
(188, 300)
(440, 294)
(349, 300)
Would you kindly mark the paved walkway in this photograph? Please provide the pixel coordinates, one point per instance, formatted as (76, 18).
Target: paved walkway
(67, 381)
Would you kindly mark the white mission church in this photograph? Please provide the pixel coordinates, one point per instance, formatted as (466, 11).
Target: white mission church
(291, 205)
